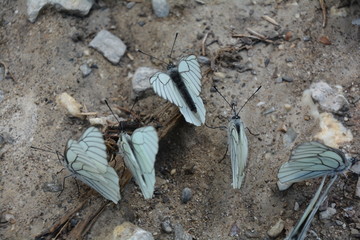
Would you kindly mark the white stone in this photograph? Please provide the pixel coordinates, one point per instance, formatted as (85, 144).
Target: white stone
(79, 7)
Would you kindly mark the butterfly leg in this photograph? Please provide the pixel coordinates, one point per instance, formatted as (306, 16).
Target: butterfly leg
(254, 134)
(63, 185)
(224, 155)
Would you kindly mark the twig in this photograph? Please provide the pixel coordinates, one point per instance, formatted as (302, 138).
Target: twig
(252, 36)
(323, 8)
(270, 20)
(203, 50)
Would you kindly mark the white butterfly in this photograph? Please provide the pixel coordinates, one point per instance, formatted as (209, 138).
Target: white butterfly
(238, 144)
(311, 160)
(182, 85)
(139, 152)
(86, 159)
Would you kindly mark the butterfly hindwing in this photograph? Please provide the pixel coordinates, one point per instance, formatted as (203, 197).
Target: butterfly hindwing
(238, 145)
(139, 153)
(311, 160)
(87, 160)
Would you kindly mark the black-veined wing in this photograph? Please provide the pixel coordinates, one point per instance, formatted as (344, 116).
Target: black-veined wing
(238, 144)
(87, 160)
(139, 153)
(311, 160)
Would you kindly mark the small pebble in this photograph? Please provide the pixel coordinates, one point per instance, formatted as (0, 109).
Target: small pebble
(166, 226)
(180, 234)
(161, 8)
(289, 60)
(234, 230)
(354, 233)
(85, 69)
(130, 5)
(2, 72)
(186, 195)
(287, 107)
(278, 80)
(276, 229)
(2, 96)
(203, 60)
(52, 187)
(289, 137)
(266, 62)
(328, 213)
(271, 110)
(296, 206)
(173, 171)
(306, 38)
(219, 74)
(9, 218)
(141, 23)
(287, 79)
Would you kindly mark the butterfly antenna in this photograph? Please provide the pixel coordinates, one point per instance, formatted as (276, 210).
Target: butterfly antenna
(172, 48)
(217, 90)
(140, 51)
(44, 150)
(107, 104)
(248, 100)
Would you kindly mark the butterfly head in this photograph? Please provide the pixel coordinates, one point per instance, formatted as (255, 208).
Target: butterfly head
(170, 66)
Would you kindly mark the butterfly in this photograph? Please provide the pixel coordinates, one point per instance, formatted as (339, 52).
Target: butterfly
(311, 160)
(238, 144)
(86, 159)
(139, 152)
(181, 85)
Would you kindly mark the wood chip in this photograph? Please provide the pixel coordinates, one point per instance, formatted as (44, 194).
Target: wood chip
(324, 40)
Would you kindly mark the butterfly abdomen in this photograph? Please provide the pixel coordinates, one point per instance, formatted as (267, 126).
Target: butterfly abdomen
(175, 76)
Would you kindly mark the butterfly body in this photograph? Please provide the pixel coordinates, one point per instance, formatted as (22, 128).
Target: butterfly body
(86, 159)
(176, 77)
(239, 148)
(139, 152)
(181, 85)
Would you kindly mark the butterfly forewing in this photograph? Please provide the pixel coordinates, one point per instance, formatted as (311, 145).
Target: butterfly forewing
(310, 160)
(189, 70)
(87, 160)
(238, 144)
(139, 153)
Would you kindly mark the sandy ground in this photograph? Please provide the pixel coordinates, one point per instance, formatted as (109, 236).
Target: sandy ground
(43, 61)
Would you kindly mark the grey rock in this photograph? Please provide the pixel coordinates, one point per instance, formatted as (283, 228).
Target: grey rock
(140, 80)
(2, 72)
(52, 187)
(78, 7)
(289, 137)
(203, 60)
(276, 229)
(296, 206)
(354, 233)
(109, 45)
(2, 96)
(186, 195)
(130, 5)
(234, 230)
(328, 213)
(357, 191)
(85, 69)
(287, 79)
(180, 234)
(166, 226)
(328, 98)
(306, 38)
(161, 8)
(356, 22)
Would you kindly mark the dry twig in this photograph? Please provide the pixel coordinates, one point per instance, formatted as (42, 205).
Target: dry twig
(323, 9)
